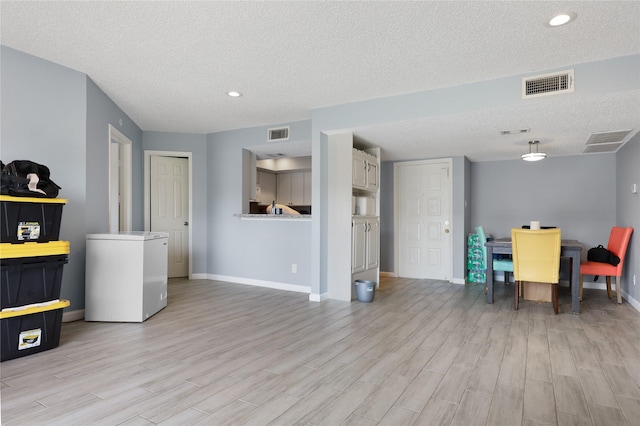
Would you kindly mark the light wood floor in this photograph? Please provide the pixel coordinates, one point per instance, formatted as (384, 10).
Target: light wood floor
(424, 352)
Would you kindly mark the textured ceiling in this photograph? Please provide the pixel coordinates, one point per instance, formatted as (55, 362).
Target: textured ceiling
(168, 65)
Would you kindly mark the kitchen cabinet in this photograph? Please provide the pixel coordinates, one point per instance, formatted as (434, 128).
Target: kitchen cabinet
(365, 243)
(294, 188)
(364, 168)
(297, 189)
(306, 199)
(266, 184)
(284, 188)
(365, 238)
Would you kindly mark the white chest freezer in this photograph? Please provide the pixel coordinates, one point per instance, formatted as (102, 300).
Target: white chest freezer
(126, 276)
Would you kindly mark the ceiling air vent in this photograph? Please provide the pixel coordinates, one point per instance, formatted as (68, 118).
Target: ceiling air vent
(547, 84)
(606, 141)
(278, 134)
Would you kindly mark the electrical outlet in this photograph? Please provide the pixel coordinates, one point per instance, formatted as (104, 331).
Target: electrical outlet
(634, 279)
(294, 268)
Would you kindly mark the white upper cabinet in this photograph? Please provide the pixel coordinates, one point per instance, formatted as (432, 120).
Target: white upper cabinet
(266, 181)
(372, 175)
(307, 188)
(284, 188)
(365, 173)
(359, 169)
(294, 188)
(297, 188)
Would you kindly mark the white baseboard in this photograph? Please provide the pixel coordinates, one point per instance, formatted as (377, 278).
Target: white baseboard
(633, 302)
(594, 285)
(198, 277)
(71, 316)
(459, 281)
(260, 283)
(603, 286)
(315, 297)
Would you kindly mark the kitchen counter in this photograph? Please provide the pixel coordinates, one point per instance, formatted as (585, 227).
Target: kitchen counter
(292, 217)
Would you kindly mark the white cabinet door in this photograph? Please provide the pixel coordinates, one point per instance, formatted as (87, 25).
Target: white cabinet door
(359, 169)
(267, 183)
(284, 188)
(373, 243)
(365, 244)
(372, 174)
(358, 245)
(307, 189)
(297, 188)
(365, 171)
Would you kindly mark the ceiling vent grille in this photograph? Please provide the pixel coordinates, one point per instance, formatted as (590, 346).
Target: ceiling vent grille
(278, 134)
(606, 141)
(603, 147)
(547, 84)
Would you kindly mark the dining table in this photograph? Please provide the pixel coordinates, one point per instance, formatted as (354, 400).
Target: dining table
(569, 248)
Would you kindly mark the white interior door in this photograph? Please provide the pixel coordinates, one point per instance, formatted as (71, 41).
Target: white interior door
(119, 181)
(169, 202)
(424, 220)
(114, 187)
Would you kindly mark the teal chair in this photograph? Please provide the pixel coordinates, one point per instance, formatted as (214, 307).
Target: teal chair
(504, 265)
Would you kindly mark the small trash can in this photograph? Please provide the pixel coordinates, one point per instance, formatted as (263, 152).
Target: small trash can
(365, 290)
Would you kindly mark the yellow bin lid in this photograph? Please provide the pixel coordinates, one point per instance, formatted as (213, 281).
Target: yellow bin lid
(34, 309)
(13, 251)
(32, 199)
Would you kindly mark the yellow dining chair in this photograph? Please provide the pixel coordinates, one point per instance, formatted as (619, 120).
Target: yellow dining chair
(536, 257)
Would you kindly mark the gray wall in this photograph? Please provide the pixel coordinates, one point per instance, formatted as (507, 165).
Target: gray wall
(387, 245)
(628, 210)
(102, 111)
(251, 249)
(573, 193)
(43, 120)
(197, 146)
(59, 117)
(56, 116)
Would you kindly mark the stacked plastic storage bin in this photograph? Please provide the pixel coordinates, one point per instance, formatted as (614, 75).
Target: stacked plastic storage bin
(31, 263)
(475, 260)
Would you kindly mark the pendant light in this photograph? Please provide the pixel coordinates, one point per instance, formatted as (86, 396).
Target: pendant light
(534, 155)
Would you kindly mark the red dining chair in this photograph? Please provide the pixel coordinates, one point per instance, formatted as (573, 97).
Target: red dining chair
(618, 243)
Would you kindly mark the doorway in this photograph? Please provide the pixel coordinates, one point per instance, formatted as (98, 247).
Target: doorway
(168, 205)
(119, 181)
(423, 194)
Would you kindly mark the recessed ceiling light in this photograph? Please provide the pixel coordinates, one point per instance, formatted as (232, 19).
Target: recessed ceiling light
(234, 94)
(561, 19)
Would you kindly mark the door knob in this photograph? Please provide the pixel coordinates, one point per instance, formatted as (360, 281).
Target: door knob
(186, 224)
(446, 231)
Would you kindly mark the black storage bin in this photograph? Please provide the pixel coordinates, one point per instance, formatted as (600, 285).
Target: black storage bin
(31, 330)
(31, 272)
(27, 219)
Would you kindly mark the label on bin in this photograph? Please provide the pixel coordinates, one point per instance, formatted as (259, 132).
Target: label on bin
(28, 231)
(29, 339)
